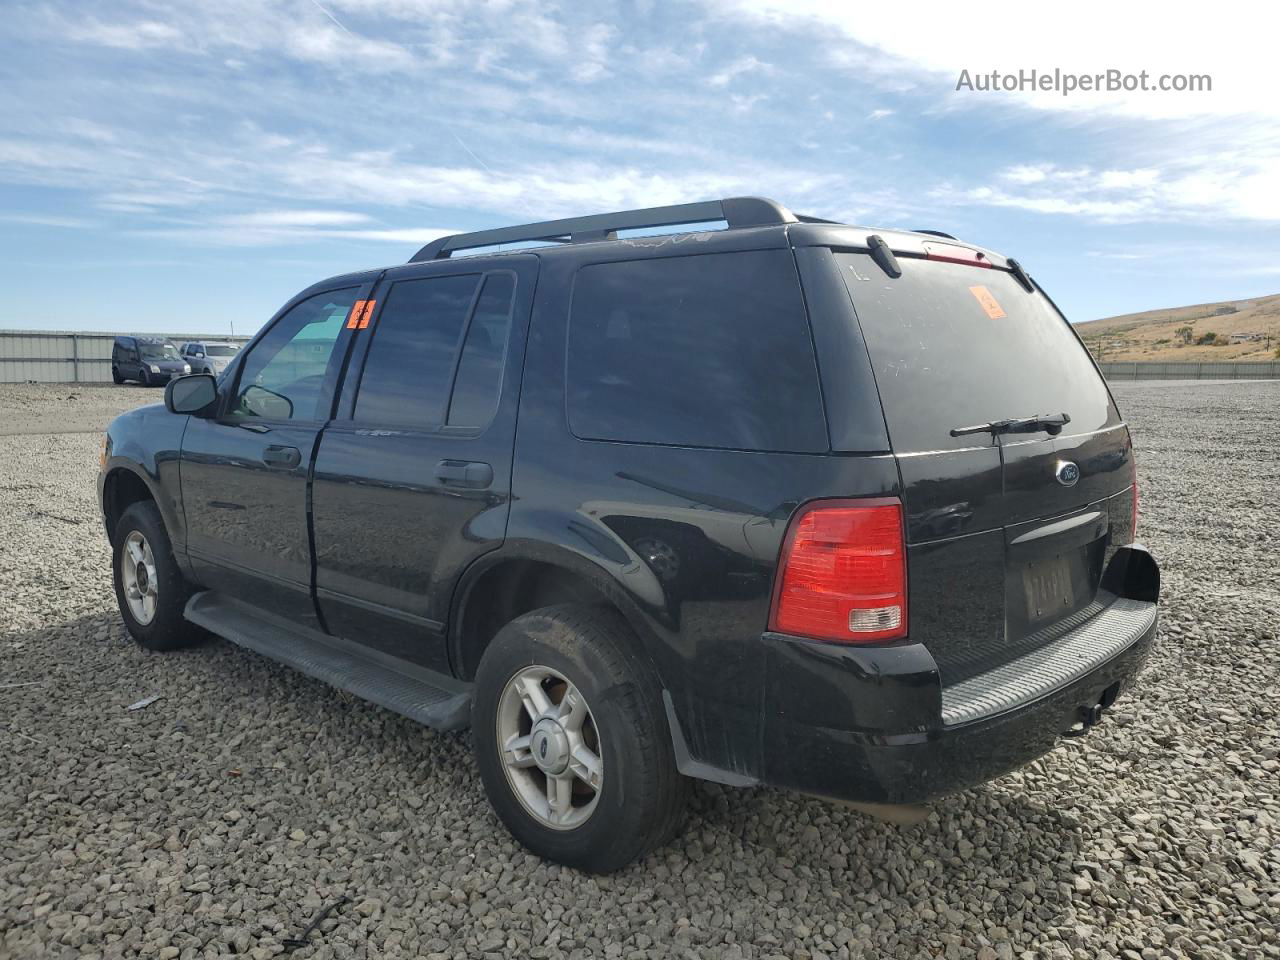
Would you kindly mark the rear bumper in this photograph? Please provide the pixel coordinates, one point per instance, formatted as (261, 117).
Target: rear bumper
(876, 725)
(916, 766)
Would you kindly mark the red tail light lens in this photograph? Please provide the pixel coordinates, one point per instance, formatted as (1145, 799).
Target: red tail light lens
(843, 573)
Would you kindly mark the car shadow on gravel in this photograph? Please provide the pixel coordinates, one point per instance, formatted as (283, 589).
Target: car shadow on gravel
(238, 744)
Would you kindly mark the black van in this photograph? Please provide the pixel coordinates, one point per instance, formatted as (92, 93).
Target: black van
(842, 510)
(151, 361)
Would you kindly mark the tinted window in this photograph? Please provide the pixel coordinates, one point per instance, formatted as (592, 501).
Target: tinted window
(479, 379)
(956, 346)
(159, 351)
(283, 375)
(218, 350)
(410, 363)
(709, 351)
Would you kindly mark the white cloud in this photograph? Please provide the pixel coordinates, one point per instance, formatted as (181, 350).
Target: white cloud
(47, 220)
(1194, 155)
(1239, 187)
(298, 30)
(139, 35)
(880, 114)
(743, 65)
(295, 218)
(1096, 35)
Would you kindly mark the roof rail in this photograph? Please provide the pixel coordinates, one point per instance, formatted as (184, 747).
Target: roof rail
(935, 233)
(735, 211)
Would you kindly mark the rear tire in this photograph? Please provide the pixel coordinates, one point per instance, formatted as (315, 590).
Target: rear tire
(115, 376)
(587, 663)
(150, 588)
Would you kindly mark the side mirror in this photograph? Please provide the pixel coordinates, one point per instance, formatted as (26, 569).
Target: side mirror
(199, 355)
(190, 394)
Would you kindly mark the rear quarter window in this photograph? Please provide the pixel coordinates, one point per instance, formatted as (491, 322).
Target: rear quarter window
(706, 351)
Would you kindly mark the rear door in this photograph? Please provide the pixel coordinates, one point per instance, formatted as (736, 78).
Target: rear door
(413, 478)
(244, 471)
(1007, 533)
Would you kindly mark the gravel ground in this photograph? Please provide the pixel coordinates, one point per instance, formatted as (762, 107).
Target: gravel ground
(218, 820)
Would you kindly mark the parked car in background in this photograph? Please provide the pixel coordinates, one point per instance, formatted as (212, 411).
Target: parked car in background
(151, 361)
(835, 509)
(209, 356)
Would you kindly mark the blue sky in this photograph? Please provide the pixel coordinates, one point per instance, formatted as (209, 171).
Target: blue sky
(188, 167)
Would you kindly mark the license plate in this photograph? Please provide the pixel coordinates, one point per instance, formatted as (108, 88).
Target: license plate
(1048, 588)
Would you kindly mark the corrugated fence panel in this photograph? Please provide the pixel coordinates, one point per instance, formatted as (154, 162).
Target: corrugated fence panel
(66, 357)
(1206, 370)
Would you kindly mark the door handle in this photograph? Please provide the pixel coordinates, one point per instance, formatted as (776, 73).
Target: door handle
(464, 473)
(279, 456)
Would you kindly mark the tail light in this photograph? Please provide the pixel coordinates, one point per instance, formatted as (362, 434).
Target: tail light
(843, 573)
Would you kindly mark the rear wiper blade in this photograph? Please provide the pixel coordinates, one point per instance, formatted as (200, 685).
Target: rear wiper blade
(1052, 423)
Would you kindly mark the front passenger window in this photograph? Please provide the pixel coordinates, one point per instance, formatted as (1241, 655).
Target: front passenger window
(283, 375)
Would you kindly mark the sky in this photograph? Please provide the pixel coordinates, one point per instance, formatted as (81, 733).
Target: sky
(188, 167)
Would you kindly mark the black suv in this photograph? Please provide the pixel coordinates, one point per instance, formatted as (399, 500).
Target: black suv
(151, 361)
(840, 510)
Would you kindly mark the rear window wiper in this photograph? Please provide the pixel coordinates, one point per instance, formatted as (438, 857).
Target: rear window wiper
(1052, 423)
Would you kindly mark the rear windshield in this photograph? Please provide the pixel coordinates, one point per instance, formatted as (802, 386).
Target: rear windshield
(954, 345)
(219, 350)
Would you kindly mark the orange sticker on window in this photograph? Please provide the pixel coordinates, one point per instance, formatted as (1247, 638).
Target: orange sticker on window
(368, 312)
(356, 309)
(988, 302)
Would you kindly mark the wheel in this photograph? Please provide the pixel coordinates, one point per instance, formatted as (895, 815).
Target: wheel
(572, 741)
(146, 377)
(150, 588)
(115, 376)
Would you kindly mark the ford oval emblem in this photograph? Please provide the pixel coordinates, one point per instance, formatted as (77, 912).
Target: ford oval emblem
(1067, 473)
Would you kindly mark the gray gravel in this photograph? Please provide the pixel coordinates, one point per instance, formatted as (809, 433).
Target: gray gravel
(219, 819)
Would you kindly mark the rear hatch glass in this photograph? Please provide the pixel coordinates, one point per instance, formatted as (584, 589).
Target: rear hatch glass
(1002, 549)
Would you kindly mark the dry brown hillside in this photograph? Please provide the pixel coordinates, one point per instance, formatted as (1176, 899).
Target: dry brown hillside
(1161, 335)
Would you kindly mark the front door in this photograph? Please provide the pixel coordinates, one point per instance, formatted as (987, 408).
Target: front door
(413, 476)
(244, 472)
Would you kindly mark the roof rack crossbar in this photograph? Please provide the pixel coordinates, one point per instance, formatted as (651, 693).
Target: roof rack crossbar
(735, 211)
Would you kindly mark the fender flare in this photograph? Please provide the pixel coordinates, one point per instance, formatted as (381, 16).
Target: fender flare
(644, 609)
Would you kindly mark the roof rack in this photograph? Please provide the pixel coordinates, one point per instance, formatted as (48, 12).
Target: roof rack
(737, 212)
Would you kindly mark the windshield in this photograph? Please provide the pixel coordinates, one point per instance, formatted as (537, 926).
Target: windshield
(158, 351)
(219, 350)
(954, 346)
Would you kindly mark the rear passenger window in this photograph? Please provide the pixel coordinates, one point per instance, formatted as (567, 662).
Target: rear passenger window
(709, 351)
(410, 363)
(479, 379)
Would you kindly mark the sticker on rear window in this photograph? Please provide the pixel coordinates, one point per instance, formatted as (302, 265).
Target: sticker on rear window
(988, 302)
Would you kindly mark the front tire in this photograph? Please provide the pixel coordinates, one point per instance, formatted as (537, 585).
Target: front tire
(572, 741)
(150, 588)
(146, 377)
(115, 376)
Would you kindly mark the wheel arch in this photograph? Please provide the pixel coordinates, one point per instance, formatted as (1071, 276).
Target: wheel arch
(512, 581)
(123, 485)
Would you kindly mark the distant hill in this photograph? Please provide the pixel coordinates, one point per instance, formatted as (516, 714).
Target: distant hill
(1154, 334)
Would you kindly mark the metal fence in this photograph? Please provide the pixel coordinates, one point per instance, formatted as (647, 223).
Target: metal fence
(67, 357)
(1208, 370)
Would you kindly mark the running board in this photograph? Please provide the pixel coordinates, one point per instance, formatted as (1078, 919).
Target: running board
(413, 691)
